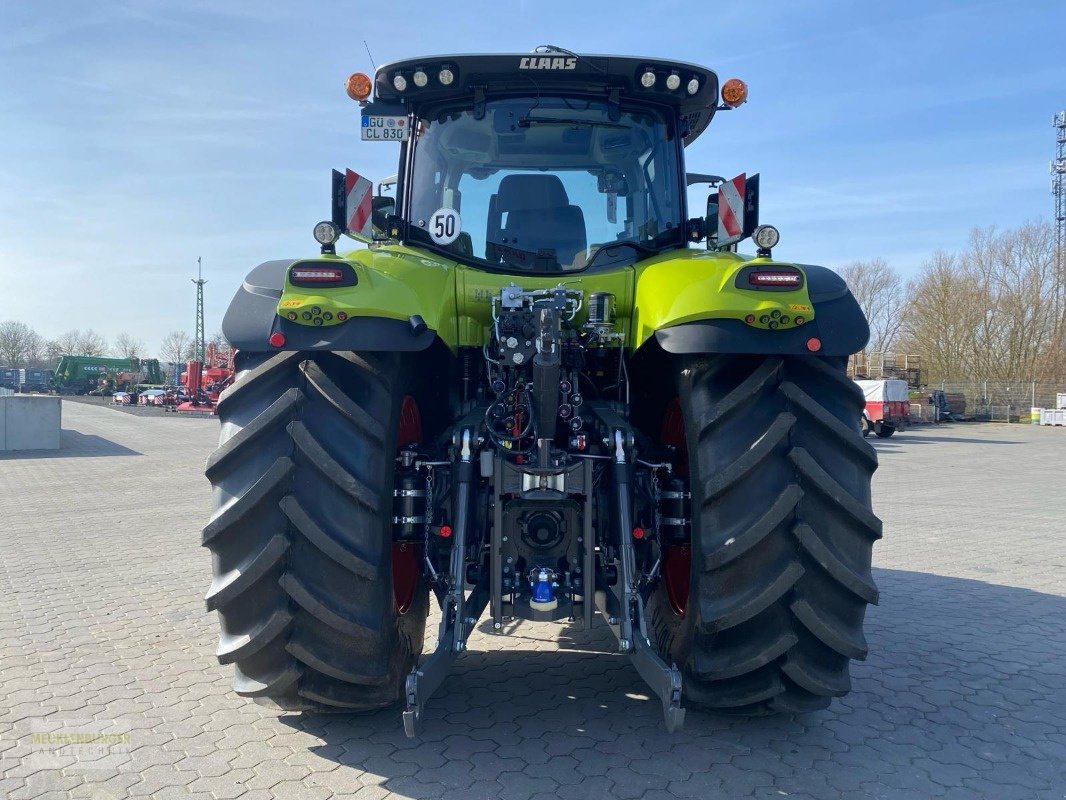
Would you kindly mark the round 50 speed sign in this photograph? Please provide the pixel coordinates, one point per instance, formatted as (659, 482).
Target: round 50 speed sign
(445, 226)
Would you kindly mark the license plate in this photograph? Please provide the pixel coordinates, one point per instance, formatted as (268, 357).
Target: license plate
(386, 129)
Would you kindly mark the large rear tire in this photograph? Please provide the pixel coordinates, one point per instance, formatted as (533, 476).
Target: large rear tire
(782, 535)
(301, 532)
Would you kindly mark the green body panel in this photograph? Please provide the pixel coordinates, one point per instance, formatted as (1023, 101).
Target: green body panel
(397, 282)
(688, 285)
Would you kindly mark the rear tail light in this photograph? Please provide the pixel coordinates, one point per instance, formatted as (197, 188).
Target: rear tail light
(774, 278)
(317, 274)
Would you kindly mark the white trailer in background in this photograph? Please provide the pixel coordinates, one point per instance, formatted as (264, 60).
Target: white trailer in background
(887, 407)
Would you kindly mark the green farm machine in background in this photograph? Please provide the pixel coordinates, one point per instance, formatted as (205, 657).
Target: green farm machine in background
(536, 395)
(98, 375)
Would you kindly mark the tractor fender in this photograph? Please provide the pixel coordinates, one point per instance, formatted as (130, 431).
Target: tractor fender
(385, 314)
(839, 326)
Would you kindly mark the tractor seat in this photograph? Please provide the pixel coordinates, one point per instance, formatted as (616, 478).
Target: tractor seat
(530, 213)
(561, 229)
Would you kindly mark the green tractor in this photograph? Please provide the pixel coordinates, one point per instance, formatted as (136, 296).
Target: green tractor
(535, 396)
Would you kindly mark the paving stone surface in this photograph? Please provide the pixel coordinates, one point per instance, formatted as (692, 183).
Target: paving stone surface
(109, 687)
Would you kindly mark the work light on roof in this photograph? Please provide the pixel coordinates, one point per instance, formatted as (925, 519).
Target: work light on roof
(399, 82)
(693, 86)
(420, 78)
(326, 233)
(446, 76)
(647, 80)
(673, 81)
(766, 237)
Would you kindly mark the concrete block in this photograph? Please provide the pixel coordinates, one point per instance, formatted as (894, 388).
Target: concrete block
(31, 422)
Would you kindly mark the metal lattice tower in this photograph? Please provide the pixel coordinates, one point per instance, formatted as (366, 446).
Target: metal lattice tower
(200, 344)
(1058, 188)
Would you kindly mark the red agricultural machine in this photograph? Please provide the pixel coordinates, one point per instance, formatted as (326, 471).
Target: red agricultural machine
(203, 382)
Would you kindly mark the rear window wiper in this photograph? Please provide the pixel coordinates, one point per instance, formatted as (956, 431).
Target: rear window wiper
(640, 248)
(527, 122)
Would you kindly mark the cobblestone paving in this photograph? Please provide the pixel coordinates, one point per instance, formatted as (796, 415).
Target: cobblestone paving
(109, 689)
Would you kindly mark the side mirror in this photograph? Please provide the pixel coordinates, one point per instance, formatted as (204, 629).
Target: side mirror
(711, 221)
(382, 207)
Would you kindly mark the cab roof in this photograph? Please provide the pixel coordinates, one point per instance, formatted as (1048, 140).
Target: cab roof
(550, 70)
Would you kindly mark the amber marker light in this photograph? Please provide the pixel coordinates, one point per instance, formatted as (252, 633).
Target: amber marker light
(734, 92)
(358, 86)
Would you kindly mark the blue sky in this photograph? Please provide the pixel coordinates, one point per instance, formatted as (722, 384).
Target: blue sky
(140, 134)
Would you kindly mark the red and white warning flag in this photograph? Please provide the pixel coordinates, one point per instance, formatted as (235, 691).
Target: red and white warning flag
(731, 210)
(358, 208)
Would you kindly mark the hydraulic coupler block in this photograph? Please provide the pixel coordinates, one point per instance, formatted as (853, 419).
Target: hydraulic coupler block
(675, 511)
(409, 507)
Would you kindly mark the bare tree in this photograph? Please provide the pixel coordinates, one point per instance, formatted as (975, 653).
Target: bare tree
(79, 343)
(991, 312)
(15, 338)
(37, 351)
(176, 347)
(91, 343)
(129, 346)
(53, 350)
(66, 344)
(881, 293)
(944, 311)
(218, 339)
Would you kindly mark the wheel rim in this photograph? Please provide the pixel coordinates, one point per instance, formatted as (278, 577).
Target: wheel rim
(409, 430)
(405, 574)
(406, 556)
(677, 566)
(677, 558)
(672, 433)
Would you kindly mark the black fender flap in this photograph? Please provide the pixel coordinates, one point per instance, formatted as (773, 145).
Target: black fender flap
(838, 324)
(252, 317)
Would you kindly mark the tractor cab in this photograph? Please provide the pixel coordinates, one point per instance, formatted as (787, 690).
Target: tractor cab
(545, 163)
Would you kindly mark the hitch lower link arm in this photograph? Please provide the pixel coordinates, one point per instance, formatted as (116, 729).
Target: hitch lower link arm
(662, 678)
(455, 625)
